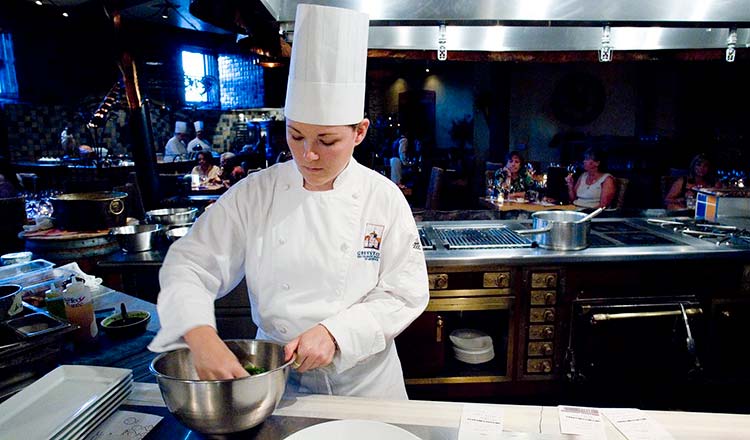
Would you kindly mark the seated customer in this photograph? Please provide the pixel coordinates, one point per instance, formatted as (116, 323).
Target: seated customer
(594, 188)
(208, 172)
(10, 186)
(514, 177)
(231, 169)
(700, 175)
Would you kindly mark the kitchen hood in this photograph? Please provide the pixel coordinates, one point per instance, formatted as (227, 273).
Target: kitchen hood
(515, 25)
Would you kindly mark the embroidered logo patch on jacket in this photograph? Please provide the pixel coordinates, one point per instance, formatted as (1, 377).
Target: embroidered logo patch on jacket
(373, 236)
(371, 242)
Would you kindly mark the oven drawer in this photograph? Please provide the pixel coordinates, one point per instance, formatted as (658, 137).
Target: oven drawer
(540, 349)
(541, 332)
(539, 366)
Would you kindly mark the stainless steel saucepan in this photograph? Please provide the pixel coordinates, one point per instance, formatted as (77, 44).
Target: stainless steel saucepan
(560, 230)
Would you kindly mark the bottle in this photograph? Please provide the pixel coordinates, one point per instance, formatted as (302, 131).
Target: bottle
(53, 298)
(79, 309)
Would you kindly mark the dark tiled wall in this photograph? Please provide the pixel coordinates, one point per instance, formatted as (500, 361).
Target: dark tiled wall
(241, 82)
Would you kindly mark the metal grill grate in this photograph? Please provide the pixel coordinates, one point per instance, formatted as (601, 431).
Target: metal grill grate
(481, 238)
(427, 244)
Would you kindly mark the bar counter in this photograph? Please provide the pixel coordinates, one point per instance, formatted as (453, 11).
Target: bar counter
(435, 419)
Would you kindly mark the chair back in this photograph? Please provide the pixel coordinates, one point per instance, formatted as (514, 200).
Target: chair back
(622, 186)
(434, 188)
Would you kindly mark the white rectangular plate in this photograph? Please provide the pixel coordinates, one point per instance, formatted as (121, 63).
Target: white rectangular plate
(60, 396)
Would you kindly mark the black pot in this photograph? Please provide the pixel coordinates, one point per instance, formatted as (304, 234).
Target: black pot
(89, 211)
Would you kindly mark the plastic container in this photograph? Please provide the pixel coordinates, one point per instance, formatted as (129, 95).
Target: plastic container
(79, 310)
(25, 273)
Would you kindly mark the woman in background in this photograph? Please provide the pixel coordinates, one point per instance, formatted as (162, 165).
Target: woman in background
(701, 174)
(514, 177)
(594, 188)
(208, 172)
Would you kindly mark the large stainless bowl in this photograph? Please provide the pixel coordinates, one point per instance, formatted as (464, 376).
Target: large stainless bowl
(137, 238)
(223, 406)
(171, 216)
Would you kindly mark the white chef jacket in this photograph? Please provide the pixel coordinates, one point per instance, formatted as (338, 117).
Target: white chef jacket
(175, 147)
(309, 258)
(202, 143)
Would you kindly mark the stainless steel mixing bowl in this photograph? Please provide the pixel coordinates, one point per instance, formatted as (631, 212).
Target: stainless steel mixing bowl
(137, 238)
(223, 406)
(171, 216)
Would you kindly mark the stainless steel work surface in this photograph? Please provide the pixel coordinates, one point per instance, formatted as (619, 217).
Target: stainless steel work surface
(612, 239)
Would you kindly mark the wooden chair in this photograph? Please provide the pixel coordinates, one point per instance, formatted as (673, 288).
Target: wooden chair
(619, 201)
(434, 188)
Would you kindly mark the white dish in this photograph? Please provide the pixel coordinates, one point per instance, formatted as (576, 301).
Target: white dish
(470, 339)
(89, 423)
(474, 357)
(84, 421)
(347, 429)
(61, 395)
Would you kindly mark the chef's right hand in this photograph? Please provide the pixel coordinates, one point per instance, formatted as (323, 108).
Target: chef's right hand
(569, 179)
(211, 357)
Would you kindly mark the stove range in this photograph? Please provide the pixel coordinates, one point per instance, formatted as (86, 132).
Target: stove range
(718, 234)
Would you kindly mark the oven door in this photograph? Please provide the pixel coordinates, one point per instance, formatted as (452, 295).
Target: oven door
(640, 340)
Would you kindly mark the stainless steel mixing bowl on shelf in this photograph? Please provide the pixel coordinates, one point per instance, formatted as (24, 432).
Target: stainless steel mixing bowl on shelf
(223, 406)
(171, 216)
(137, 238)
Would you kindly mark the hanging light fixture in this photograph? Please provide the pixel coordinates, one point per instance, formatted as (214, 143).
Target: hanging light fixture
(731, 45)
(605, 52)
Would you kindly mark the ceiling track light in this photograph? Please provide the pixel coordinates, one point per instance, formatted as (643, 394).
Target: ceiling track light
(605, 52)
(442, 52)
(731, 45)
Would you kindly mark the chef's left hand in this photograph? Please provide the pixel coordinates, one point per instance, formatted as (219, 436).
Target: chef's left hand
(314, 349)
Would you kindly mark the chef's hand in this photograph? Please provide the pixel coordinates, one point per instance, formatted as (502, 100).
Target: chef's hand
(211, 357)
(569, 179)
(315, 348)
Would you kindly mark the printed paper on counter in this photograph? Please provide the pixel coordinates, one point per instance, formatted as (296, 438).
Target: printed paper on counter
(124, 425)
(481, 422)
(583, 421)
(634, 424)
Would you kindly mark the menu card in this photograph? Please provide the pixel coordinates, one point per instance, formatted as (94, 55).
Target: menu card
(124, 425)
(583, 421)
(481, 422)
(635, 425)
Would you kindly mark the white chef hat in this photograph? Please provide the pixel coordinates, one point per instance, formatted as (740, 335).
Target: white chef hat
(198, 125)
(180, 127)
(327, 71)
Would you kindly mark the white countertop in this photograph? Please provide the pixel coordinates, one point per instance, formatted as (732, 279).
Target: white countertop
(533, 420)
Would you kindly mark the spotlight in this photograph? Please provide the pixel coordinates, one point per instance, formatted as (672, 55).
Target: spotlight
(39, 2)
(65, 14)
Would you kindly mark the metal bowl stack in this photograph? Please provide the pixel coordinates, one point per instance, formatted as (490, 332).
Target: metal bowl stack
(171, 216)
(223, 406)
(137, 238)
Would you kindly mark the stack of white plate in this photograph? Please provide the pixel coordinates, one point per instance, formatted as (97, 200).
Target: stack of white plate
(472, 346)
(67, 403)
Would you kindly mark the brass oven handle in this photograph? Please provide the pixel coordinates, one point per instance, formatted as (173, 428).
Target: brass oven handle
(600, 317)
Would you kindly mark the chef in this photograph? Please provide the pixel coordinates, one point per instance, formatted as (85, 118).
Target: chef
(175, 148)
(296, 231)
(198, 143)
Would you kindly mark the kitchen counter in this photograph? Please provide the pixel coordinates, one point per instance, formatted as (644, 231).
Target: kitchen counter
(674, 246)
(440, 420)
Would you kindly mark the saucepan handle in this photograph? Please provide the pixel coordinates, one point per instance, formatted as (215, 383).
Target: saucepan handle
(534, 231)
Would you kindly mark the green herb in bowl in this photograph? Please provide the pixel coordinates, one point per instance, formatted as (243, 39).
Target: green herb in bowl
(253, 369)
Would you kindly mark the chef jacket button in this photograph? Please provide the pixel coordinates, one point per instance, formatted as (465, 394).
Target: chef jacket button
(344, 247)
(286, 187)
(355, 196)
(282, 240)
(285, 286)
